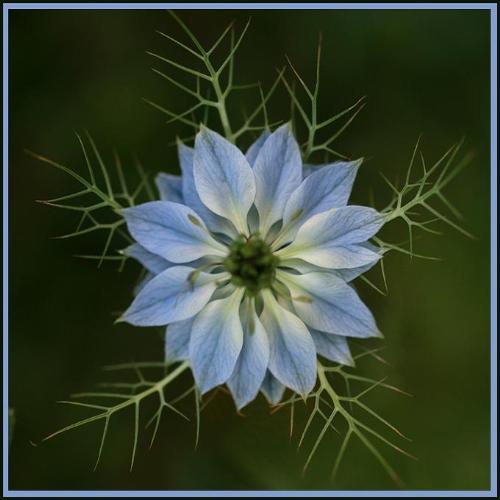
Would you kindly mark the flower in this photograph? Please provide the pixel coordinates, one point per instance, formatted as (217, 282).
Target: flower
(250, 259)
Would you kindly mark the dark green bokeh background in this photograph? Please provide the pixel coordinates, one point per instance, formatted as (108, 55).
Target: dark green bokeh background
(422, 71)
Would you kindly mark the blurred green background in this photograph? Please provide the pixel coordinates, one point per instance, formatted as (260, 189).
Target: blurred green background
(422, 72)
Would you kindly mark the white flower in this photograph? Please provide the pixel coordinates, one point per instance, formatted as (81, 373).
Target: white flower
(250, 259)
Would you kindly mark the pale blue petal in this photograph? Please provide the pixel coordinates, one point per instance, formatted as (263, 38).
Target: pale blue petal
(253, 220)
(278, 172)
(293, 353)
(152, 262)
(332, 347)
(170, 296)
(251, 366)
(189, 193)
(308, 169)
(329, 187)
(185, 155)
(142, 283)
(169, 187)
(353, 273)
(303, 267)
(272, 388)
(224, 179)
(326, 303)
(172, 231)
(191, 198)
(254, 149)
(177, 338)
(334, 238)
(216, 341)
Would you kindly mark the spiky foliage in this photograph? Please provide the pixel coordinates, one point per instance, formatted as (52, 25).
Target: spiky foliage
(309, 115)
(131, 395)
(211, 84)
(419, 194)
(334, 407)
(99, 201)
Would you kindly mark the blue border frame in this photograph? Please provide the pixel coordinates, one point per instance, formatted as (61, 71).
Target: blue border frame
(493, 251)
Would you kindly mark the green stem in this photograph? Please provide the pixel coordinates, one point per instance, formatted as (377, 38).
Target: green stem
(154, 388)
(225, 120)
(221, 99)
(312, 132)
(353, 425)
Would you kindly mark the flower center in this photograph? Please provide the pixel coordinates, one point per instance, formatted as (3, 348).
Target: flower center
(251, 263)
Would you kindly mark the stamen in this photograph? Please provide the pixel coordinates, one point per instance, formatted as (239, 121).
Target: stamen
(194, 220)
(194, 275)
(251, 263)
(303, 298)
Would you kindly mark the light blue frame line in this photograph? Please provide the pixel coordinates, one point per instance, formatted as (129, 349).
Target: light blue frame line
(494, 250)
(257, 5)
(493, 285)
